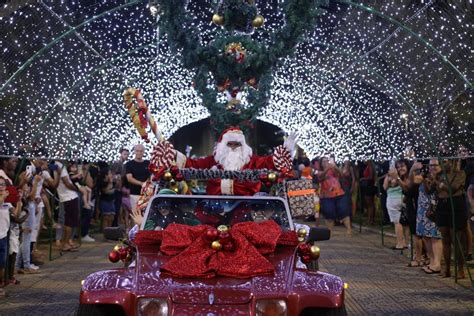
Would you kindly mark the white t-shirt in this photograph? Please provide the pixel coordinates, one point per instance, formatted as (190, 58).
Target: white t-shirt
(44, 176)
(5, 219)
(65, 194)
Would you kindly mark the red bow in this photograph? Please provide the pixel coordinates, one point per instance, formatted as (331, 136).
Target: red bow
(251, 241)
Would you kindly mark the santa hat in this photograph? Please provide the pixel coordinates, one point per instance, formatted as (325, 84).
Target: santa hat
(232, 134)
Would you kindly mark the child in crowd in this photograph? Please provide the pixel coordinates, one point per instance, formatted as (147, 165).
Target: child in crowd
(16, 219)
(107, 197)
(5, 209)
(75, 173)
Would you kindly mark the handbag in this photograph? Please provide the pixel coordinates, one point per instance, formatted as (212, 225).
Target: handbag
(431, 212)
(404, 216)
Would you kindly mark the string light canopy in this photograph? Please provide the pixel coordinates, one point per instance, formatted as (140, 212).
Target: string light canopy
(373, 79)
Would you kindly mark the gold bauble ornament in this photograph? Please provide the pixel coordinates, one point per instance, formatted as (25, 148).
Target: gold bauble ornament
(175, 189)
(223, 228)
(272, 177)
(218, 19)
(216, 245)
(302, 232)
(315, 252)
(117, 247)
(258, 21)
(167, 176)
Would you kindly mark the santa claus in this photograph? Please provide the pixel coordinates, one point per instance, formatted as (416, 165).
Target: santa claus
(230, 153)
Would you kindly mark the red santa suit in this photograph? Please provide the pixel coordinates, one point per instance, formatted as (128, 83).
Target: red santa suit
(227, 157)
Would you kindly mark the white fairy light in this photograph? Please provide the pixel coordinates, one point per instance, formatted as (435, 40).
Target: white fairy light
(341, 98)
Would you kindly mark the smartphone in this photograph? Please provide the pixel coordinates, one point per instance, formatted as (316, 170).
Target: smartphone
(392, 164)
(30, 171)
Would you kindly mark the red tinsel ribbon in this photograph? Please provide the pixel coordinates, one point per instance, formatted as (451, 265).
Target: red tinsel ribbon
(189, 244)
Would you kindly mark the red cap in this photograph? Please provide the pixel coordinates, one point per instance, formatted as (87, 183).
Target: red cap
(232, 129)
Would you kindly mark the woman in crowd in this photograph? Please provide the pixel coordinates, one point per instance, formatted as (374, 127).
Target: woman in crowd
(332, 195)
(107, 197)
(348, 184)
(368, 190)
(411, 195)
(396, 179)
(452, 184)
(425, 225)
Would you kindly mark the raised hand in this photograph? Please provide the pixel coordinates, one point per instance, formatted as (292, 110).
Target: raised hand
(290, 142)
(137, 216)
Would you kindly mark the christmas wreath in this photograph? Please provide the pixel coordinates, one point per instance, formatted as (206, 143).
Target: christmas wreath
(235, 63)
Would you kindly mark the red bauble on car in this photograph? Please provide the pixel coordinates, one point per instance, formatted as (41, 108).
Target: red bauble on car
(304, 249)
(212, 234)
(306, 259)
(224, 238)
(114, 256)
(123, 253)
(174, 170)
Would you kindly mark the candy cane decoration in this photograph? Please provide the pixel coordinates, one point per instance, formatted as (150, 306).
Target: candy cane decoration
(140, 114)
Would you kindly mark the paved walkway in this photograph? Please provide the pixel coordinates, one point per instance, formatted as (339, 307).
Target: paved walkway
(55, 291)
(379, 281)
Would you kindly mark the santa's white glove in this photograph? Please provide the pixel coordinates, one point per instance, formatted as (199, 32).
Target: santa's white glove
(290, 142)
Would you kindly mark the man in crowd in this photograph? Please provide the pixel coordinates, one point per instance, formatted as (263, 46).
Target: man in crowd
(69, 199)
(35, 175)
(118, 171)
(137, 173)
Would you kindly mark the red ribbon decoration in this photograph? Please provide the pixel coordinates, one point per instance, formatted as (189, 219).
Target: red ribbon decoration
(189, 244)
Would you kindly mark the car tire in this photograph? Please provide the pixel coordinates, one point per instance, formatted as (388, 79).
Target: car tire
(341, 311)
(99, 310)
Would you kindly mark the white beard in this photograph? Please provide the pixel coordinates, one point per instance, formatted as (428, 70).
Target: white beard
(232, 159)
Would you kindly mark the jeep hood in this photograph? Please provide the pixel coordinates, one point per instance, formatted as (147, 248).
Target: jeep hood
(222, 290)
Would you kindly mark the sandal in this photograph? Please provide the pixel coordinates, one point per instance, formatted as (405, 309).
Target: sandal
(414, 264)
(428, 270)
(69, 250)
(13, 281)
(74, 246)
(395, 248)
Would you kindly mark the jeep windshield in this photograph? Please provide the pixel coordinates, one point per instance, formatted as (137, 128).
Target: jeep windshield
(214, 210)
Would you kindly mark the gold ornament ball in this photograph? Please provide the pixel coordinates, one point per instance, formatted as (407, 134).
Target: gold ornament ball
(218, 19)
(175, 189)
(117, 247)
(315, 252)
(258, 21)
(302, 232)
(223, 228)
(167, 176)
(216, 245)
(272, 177)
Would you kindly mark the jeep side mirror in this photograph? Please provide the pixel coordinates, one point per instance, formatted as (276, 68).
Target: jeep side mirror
(318, 234)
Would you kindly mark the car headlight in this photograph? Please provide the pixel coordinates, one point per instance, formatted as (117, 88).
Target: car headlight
(152, 306)
(271, 307)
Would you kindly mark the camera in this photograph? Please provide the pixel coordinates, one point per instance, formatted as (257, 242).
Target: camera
(32, 170)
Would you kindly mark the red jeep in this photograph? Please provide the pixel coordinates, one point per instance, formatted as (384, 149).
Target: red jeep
(217, 255)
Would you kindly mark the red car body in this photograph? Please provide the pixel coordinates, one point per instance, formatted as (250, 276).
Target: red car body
(302, 289)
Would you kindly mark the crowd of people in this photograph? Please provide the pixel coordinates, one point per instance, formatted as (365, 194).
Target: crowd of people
(418, 198)
(67, 196)
(414, 196)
